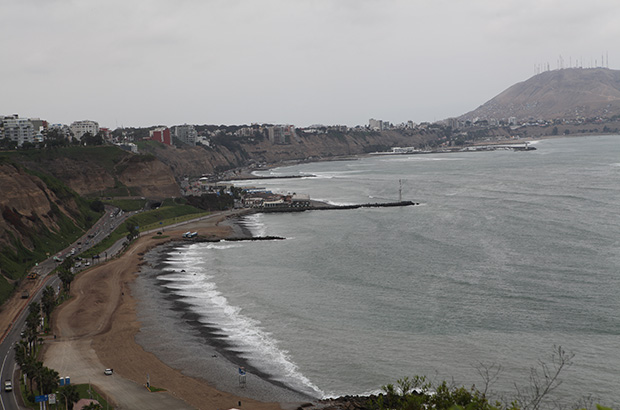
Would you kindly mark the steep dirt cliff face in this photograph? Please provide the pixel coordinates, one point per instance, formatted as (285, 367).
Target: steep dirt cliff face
(151, 179)
(25, 203)
(89, 175)
(81, 176)
(195, 161)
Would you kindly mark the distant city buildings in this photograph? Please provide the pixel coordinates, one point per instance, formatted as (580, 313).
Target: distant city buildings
(452, 123)
(161, 134)
(129, 146)
(79, 128)
(18, 130)
(375, 125)
(281, 134)
(185, 133)
(62, 129)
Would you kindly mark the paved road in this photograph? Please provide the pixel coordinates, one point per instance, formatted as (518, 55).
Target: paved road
(107, 223)
(127, 394)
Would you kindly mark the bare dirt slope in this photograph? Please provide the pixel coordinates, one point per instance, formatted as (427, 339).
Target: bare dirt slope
(567, 93)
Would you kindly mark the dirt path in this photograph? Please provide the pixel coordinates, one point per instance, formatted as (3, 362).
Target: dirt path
(96, 329)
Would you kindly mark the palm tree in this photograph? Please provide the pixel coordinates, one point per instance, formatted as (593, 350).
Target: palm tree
(49, 301)
(71, 395)
(36, 374)
(49, 380)
(26, 362)
(32, 324)
(66, 277)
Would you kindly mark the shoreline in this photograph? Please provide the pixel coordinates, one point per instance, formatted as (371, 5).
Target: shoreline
(98, 326)
(199, 350)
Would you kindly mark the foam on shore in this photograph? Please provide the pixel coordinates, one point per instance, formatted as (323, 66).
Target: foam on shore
(171, 331)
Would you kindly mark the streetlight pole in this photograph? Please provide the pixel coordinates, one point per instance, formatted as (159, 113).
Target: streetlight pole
(63, 395)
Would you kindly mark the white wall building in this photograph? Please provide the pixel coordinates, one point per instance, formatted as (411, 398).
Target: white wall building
(19, 130)
(79, 128)
(375, 125)
(281, 134)
(186, 133)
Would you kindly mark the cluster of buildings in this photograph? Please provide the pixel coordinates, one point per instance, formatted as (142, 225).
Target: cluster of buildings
(380, 125)
(186, 133)
(277, 134)
(266, 200)
(35, 130)
(257, 198)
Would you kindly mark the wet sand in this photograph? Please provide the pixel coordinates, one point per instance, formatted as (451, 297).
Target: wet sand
(102, 316)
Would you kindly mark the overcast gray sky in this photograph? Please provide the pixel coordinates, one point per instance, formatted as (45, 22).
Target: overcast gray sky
(302, 62)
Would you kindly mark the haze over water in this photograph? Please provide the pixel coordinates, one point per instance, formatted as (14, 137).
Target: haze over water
(509, 254)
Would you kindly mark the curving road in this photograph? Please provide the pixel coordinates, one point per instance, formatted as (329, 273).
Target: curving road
(107, 223)
(127, 392)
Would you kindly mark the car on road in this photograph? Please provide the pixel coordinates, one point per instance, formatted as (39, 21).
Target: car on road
(8, 385)
(108, 372)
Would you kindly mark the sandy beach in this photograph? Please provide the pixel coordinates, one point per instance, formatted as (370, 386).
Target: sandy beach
(97, 329)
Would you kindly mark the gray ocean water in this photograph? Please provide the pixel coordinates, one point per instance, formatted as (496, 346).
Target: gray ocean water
(509, 254)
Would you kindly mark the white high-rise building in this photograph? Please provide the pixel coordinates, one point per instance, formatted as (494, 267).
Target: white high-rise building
(19, 130)
(186, 133)
(375, 125)
(79, 128)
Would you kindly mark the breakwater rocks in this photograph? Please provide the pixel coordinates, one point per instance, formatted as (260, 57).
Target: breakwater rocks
(235, 239)
(319, 206)
(343, 403)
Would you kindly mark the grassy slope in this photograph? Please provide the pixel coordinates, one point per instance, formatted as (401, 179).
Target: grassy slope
(16, 260)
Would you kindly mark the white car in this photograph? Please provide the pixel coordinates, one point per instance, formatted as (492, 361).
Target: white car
(108, 372)
(8, 385)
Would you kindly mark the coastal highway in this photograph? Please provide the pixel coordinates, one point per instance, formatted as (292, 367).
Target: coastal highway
(122, 390)
(8, 400)
(107, 223)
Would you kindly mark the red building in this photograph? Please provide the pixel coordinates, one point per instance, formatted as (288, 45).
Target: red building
(162, 135)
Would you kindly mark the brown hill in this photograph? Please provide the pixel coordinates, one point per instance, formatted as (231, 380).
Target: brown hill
(234, 152)
(27, 203)
(103, 171)
(567, 93)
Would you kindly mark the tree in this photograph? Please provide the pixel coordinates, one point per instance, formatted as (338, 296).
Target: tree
(48, 380)
(133, 231)
(31, 368)
(71, 395)
(25, 360)
(417, 394)
(97, 206)
(8, 144)
(90, 139)
(48, 301)
(544, 380)
(93, 406)
(55, 137)
(66, 277)
(32, 325)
